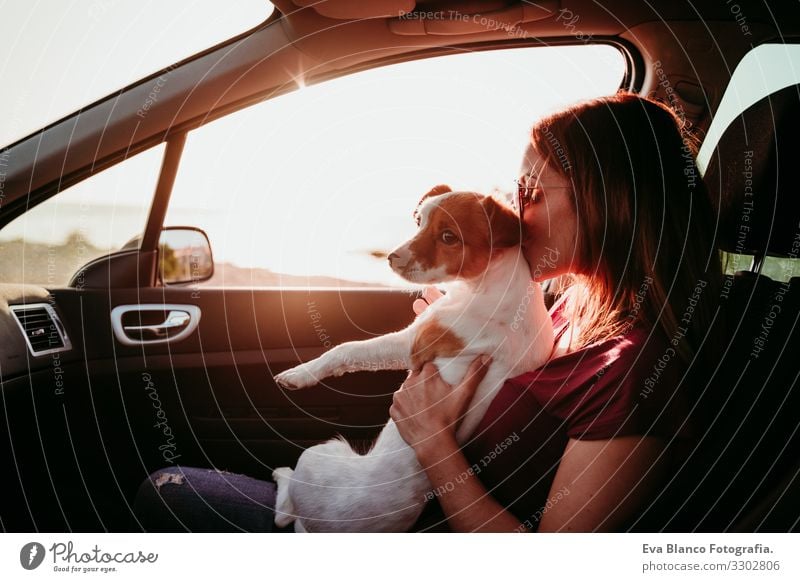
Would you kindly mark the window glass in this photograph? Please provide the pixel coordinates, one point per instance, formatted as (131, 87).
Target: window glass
(103, 213)
(60, 56)
(776, 268)
(316, 186)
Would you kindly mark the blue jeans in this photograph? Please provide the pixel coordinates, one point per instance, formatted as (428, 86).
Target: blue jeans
(205, 500)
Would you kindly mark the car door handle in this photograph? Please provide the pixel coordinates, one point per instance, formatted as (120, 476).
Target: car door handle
(174, 321)
(180, 321)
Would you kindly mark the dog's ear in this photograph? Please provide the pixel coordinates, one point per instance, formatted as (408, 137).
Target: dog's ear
(505, 227)
(435, 191)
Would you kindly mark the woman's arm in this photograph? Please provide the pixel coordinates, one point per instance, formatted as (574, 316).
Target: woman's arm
(600, 485)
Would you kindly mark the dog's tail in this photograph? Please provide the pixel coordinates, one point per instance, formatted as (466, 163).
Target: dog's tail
(284, 508)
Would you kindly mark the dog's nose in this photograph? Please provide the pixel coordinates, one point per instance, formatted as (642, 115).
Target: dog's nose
(398, 258)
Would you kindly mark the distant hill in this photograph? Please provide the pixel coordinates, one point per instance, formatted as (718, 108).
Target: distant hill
(54, 265)
(229, 275)
(44, 264)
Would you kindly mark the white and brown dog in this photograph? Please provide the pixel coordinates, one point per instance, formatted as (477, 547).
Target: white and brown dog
(471, 245)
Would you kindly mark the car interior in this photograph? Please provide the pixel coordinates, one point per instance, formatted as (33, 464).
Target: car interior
(142, 359)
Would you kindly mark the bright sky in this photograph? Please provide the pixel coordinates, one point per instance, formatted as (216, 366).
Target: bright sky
(308, 183)
(59, 55)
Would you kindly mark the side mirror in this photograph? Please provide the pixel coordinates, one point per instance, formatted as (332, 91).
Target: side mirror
(184, 255)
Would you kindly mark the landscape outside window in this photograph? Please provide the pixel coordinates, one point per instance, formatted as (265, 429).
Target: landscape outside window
(104, 213)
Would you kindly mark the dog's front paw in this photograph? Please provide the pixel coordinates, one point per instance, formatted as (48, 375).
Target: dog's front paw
(298, 377)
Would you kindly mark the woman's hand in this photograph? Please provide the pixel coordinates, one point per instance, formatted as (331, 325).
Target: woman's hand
(429, 295)
(427, 409)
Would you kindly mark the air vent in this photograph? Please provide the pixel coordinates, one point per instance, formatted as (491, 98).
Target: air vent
(41, 327)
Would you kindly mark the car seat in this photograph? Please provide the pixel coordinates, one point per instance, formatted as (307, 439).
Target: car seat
(742, 473)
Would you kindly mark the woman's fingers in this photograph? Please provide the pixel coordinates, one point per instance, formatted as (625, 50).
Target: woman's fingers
(429, 370)
(480, 364)
(419, 377)
(426, 405)
(475, 374)
(419, 306)
(429, 295)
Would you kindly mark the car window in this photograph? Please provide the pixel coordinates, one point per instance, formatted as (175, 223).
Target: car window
(49, 243)
(313, 188)
(764, 70)
(61, 56)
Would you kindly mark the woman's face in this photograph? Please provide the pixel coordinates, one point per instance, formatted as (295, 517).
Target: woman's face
(550, 223)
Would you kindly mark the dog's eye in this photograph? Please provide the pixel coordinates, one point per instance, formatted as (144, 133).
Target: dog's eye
(449, 238)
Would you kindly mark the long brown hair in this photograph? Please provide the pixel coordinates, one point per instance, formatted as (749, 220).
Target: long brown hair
(646, 229)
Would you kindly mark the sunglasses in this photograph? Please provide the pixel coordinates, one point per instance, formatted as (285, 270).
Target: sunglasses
(529, 189)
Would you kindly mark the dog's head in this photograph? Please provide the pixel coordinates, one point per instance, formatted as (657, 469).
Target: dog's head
(459, 233)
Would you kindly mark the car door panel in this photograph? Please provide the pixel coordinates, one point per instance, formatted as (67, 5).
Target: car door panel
(207, 401)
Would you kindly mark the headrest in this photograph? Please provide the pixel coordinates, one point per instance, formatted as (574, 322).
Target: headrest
(754, 175)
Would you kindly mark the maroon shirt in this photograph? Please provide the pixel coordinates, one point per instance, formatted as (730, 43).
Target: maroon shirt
(627, 385)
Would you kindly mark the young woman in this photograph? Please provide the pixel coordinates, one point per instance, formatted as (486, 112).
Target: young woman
(609, 199)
